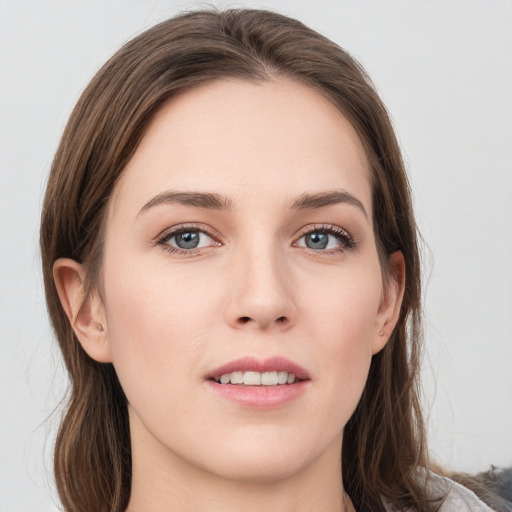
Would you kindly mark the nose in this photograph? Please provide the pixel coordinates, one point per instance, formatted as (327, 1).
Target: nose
(261, 292)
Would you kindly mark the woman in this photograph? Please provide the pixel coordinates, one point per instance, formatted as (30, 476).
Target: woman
(231, 267)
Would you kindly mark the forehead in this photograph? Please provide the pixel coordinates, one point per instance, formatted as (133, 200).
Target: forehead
(245, 140)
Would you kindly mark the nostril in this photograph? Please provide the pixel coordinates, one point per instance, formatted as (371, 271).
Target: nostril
(246, 319)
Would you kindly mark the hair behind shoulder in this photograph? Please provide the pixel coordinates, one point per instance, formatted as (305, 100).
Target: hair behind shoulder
(384, 441)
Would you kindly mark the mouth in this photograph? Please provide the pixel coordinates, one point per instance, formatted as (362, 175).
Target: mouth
(252, 371)
(251, 378)
(261, 384)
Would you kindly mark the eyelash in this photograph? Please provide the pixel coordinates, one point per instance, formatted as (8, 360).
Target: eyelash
(346, 241)
(163, 239)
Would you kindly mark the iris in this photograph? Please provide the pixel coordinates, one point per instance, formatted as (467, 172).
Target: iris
(187, 240)
(317, 240)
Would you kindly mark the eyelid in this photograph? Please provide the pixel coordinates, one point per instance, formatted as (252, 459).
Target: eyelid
(347, 241)
(162, 238)
(311, 228)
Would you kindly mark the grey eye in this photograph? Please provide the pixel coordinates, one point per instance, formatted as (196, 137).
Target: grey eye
(332, 238)
(317, 240)
(187, 240)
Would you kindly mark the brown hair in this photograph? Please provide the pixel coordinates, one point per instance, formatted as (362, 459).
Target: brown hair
(384, 441)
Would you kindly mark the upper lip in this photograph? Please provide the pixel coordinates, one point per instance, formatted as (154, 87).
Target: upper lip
(253, 364)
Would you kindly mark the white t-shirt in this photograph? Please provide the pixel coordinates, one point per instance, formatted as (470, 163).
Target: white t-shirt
(458, 497)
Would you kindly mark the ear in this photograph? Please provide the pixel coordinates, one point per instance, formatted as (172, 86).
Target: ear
(85, 311)
(391, 302)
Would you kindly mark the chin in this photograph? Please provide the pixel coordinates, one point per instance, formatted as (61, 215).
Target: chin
(268, 459)
(260, 470)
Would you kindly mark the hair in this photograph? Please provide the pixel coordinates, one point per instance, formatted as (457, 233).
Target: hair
(384, 440)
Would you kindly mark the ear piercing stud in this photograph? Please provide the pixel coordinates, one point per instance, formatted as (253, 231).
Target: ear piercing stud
(100, 328)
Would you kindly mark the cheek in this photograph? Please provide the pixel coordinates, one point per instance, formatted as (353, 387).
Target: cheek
(344, 305)
(157, 324)
(342, 321)
(153, 302)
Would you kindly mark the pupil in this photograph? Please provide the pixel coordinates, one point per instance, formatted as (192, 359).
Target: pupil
(317, 240)
(187, 240)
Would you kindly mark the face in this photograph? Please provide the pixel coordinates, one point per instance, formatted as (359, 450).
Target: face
(242, 292)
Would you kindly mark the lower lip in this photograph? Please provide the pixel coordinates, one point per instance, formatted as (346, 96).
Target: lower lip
(260, 397)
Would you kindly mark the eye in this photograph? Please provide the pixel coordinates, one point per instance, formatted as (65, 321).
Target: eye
(326, 238)
(186, 239)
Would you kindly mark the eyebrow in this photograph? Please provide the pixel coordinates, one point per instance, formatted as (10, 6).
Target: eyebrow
(212, 201)
(206, 200)
(322, 199)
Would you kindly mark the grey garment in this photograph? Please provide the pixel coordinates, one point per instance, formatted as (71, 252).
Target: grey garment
(499, 481)
(458, 498)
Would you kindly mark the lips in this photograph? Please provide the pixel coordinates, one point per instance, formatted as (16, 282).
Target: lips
(252, 371)
(259, 384)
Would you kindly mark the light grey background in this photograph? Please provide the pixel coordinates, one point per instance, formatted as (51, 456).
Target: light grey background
(444, 68)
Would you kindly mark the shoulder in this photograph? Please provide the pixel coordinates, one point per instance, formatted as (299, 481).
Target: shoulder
(454, 497)
(458, 498)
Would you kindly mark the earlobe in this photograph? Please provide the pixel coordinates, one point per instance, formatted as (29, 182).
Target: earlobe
(389, 309)
(85, 311)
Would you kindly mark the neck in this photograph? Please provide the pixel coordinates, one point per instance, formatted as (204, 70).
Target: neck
(164, 482)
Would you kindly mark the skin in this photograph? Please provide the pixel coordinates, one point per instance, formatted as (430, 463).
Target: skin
(252, 288)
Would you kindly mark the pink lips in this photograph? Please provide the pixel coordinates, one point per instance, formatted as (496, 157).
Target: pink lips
(250, 364)
(260, 397)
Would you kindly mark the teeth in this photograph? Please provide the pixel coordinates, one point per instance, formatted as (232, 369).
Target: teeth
(282, 378)
(257, 378)
(252, 378)
(269, 378)
(237, 377)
